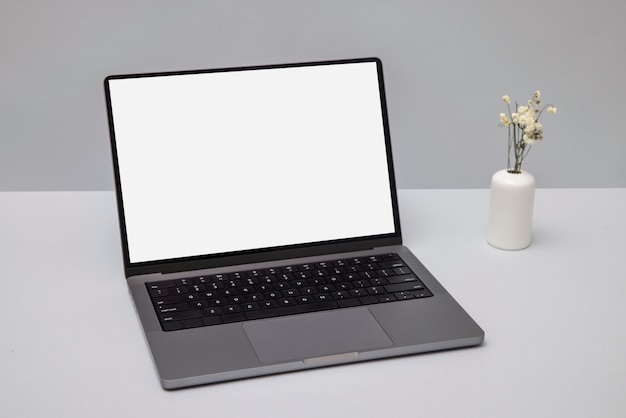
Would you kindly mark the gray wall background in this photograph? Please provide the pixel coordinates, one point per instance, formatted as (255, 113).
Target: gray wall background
(447, 64)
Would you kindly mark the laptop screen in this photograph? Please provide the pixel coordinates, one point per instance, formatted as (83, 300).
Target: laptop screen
(229, 161)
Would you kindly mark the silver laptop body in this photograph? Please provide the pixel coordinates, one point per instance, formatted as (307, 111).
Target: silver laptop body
(240, 174)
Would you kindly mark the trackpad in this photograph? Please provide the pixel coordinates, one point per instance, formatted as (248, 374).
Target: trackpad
(315, 335)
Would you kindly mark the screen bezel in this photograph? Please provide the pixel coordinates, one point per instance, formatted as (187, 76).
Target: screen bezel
(265, 254)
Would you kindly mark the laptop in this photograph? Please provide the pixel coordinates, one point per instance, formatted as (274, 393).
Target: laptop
(259, 222)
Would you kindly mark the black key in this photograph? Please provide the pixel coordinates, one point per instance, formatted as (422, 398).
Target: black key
(232, 284)
(193, 323)
(286, 302)
(392, 264)
(273, 295)
(342, 294)
(211, 294)
(386, 298)
(354, 269)
(273, 271)
(402, 279)
(281, 286)
(390, 256)
(229, 292)
(316, 281)
(168, 300)
(179, 290)
(344, 286)
(201, 280)
(371, 267)
(199, 304)
(305, 299)
(333, 279)
(379, 281)
(157, 293)
(355, 293)
(252, 306)
(247, 290)
(217, 302)
(255, 298)
(385, 273)
(250, 281)
(214, 286)
(423, 294)
(179, 316)
(308, 291)
(320, 273)
(190, 297)
(231, 309)
(360, 284)
(402, 270)
(400, 287)
(284, 277)
(212, 312)
(368, 300)
(323, 297)
(326, 288)
(173, 308)
(211, 320)
(160, 285)
(235, 300)
(197, 288)
(323, 265)
(346, 303)
(256, 273)
(375, 290)
(369, 274)
(237, 275)
(412, 294)
(218, 277)
(236, 317)
(404, 295)
(182, 282)
(268, 304)
(291, 310)
(172, 326)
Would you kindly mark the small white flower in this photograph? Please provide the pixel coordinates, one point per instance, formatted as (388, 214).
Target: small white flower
(525, 129)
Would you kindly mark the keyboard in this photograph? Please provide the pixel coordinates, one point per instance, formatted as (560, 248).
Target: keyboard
(283, 290)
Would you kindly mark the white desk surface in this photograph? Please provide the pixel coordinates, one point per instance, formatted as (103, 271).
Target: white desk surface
(554, 317)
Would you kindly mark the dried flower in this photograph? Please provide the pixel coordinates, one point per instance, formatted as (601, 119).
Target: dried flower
(523, 127)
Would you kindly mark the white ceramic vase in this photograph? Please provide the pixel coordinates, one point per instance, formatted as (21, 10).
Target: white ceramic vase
(512, 198)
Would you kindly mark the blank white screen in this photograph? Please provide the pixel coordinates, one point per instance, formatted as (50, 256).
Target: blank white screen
(229, 161)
